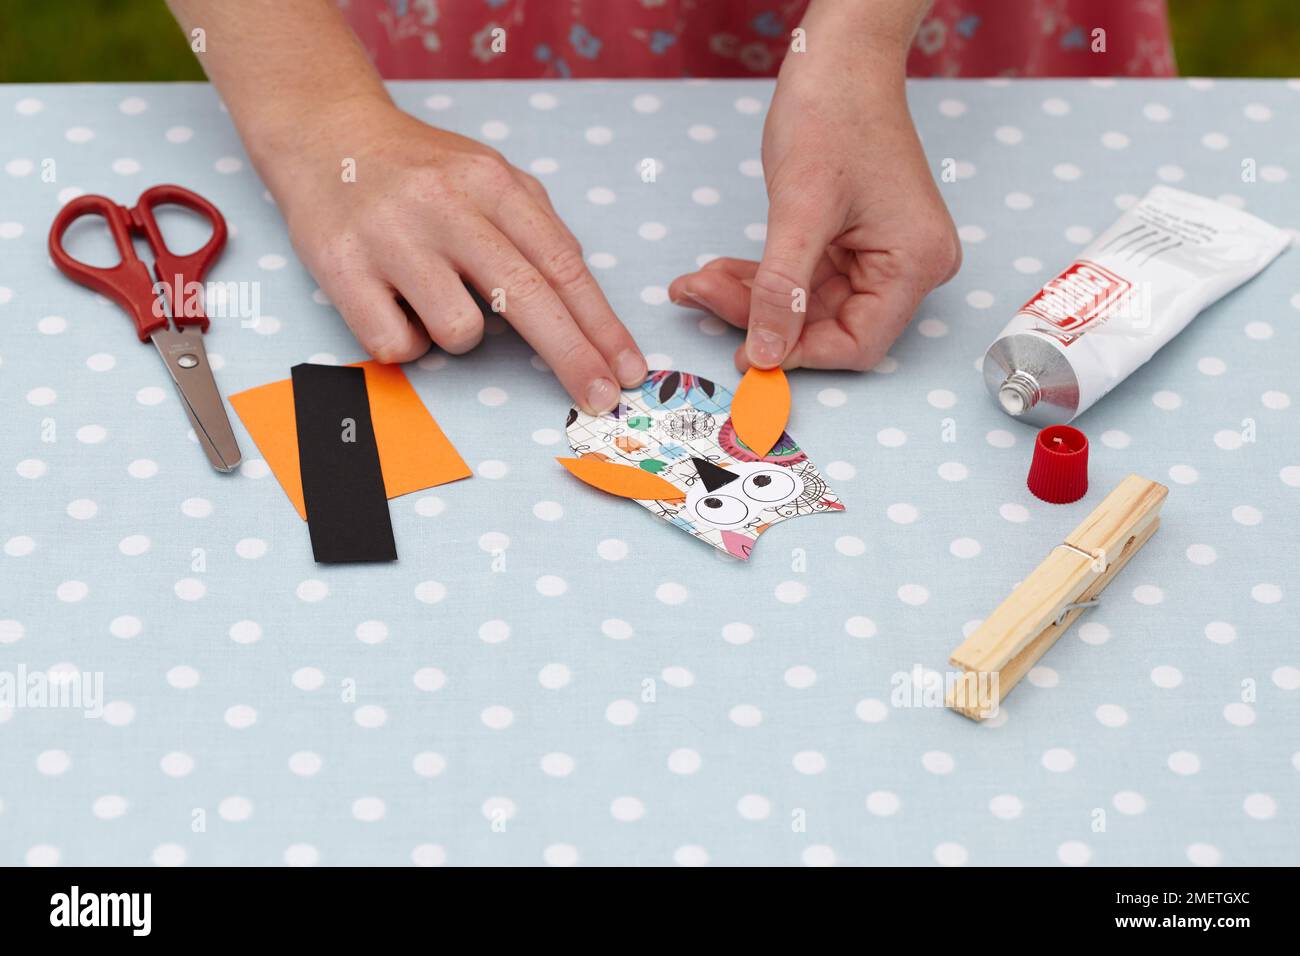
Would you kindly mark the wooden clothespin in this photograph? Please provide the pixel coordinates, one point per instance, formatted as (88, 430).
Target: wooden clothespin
(1012, 639)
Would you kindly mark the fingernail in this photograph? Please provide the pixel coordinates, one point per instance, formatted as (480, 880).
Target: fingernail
(690, 299)
(630, 368)
(764, 348)
(602, 395)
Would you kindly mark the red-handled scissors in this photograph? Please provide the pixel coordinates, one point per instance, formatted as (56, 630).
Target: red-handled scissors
(129, 285)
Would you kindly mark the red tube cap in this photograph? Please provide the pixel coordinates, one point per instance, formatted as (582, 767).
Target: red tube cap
(1059, 471)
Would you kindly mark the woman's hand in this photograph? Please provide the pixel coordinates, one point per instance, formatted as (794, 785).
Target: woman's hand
(427, 209)
(857, 233)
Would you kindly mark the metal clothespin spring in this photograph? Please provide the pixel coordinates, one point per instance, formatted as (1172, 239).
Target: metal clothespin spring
(1079, 605)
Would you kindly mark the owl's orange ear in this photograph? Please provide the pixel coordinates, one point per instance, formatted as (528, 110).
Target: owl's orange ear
(625, 481)
(761, 408)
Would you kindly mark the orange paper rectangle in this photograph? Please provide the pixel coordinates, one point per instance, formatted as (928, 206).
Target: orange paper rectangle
(413, 452)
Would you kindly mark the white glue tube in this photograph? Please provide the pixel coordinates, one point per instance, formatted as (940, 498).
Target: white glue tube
(1134, 288)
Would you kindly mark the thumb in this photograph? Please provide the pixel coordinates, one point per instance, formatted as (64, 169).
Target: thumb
(797, 238)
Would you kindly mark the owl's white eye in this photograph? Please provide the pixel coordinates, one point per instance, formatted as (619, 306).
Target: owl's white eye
(721, 510)
(770, 484)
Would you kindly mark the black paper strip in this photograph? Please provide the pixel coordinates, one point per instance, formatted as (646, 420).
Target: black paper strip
(342, 483)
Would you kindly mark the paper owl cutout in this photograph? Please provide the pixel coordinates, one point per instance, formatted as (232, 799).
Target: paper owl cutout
(671, 446)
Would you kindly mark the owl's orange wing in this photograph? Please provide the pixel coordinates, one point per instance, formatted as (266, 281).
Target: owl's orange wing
(625, 481)
(761, 408)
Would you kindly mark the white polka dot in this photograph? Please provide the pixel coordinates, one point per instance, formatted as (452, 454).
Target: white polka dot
(176, 764)
(246, 632)
(1078, 234)
(1018, 201)
(951, 108)
(1006, 806)
(964, 548)
(745, 715)
(497, 717)
(684, 761)
(91, 434)
(1202, 554)
(809, 762)
(913, 594)
(627, 809)
(621, 713)
(494, 631)
(1257, 112)
(71, 592)
(971, 233)
(430, 592)
(1276, 401)
(312, 590)
(560, 854)
(543, 101)
(938, 762)
(124, 627)
(1008, 135)
(883, 803)
(756, 231)
(1184, 763)
(493, 542)
(1220, 632)
(368, 809)
(1111, 715)
(1058, 760)
(51, 763)
(42, 396)
(1266, 593)
(891, 437)
(557, 764)
(1239, 714)
(1260, 806)
(600, 195)
(235, 809)
(1287, 677)
(1183, 474)
(753, 806)
(183, 677)
(240, 716)
(670, 592)
(429, 679)
(1114, 438)
(1228, 440)
(1210, 365)
(228, 164)
(953, 471)
(554, 676)
(306, 678)
(370, 716)
(1000, 438)
(791, 592)
(616, 630)
(1290, 475)
(902, 513)
(1066, 172)
(1148, 594)
(1074, 853)
(19, 546)
(429, 854)
(705, 196)
(31, 468)
(178, 134)
(438, 101)
(492, 469)
(1041, 676)
(494, 130)
(871, 711)
(1203, 854)
(979, 299)
(840, 471)
(702, 133)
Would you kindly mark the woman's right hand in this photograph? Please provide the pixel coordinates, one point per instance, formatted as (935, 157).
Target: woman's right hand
(426, 209)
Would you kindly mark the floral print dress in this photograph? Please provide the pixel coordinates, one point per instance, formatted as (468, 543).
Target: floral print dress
(474, 39)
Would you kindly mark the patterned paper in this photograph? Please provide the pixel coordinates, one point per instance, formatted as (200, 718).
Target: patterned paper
(674, 421)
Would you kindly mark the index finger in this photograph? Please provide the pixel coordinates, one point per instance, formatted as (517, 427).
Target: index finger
(501, 272)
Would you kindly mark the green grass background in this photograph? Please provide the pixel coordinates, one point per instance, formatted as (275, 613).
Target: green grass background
(120, 40)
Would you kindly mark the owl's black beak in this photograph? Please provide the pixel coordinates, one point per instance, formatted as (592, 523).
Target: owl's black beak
(713, 476)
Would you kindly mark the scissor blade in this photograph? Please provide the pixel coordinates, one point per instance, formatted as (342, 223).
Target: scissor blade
(187, 363)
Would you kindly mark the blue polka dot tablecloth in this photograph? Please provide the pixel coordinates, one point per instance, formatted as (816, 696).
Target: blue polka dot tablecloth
(551, 676)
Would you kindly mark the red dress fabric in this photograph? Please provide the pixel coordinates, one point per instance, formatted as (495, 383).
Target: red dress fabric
(530, 39)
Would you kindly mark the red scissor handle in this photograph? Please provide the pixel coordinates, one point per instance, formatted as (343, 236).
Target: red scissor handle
(128, 283)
